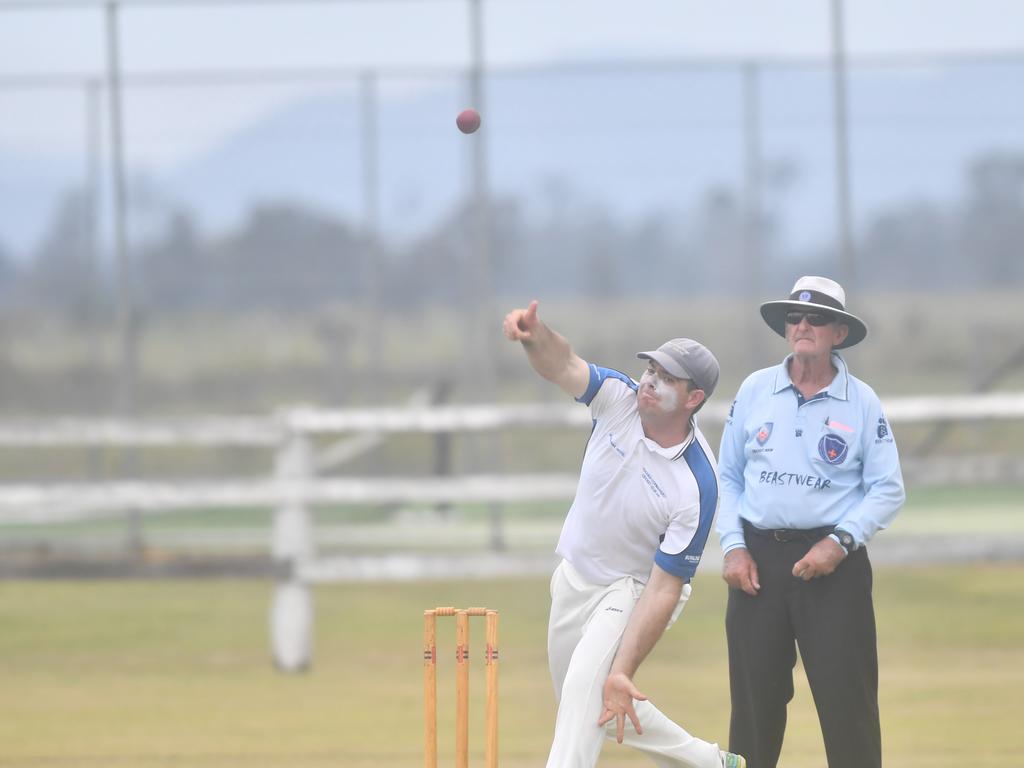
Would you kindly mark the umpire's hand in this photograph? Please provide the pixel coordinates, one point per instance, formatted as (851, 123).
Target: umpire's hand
(740, 571)
(821, 560)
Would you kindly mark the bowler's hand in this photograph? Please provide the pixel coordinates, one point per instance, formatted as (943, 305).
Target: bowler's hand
(619, 693)
(823, 558)
(740, 571)
(520, 324)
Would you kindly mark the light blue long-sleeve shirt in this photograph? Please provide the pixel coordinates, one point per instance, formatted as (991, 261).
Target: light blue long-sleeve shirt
(790, 462)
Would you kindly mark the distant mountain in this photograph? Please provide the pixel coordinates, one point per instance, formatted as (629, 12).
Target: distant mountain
(30, 189)
(631, 142)
(633, 139)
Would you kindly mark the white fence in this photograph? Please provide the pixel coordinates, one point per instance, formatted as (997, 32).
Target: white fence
(297, 482)
(297, 478)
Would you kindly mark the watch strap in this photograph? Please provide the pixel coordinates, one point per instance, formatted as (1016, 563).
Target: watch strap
(839, 541)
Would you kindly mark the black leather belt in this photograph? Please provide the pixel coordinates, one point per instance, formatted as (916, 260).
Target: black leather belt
(784, 535)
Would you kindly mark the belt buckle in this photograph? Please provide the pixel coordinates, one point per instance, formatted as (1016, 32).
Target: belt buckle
(779, 536)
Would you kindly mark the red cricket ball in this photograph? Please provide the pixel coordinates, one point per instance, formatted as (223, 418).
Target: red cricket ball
(468, 120)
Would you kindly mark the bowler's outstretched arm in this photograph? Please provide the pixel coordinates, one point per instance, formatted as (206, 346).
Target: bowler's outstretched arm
(548, 351)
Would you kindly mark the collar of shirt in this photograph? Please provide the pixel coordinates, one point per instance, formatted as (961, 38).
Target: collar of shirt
(839, 388)
(673, 451)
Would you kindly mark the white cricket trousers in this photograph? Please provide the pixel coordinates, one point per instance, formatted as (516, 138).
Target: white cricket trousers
(584, 631)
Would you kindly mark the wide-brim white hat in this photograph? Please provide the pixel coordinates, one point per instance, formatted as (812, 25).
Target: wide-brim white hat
(815, 293)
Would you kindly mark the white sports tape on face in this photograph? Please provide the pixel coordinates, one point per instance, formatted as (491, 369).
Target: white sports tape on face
(668, 397)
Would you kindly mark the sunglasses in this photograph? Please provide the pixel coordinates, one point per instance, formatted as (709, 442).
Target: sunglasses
(817, 319)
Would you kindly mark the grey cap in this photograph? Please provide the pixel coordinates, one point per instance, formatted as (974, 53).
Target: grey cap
(687, 359)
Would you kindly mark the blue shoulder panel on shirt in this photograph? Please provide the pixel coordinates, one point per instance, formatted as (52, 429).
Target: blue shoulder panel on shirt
(598, 375)
(685, 563)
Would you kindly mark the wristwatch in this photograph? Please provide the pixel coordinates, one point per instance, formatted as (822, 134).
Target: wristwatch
(844, 539)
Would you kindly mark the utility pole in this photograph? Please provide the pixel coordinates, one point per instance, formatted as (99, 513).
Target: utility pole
(127, 379)
(847, 265)
(752, 228)
(481, 301)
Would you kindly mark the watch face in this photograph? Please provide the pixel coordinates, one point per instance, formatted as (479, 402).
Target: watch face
(845, 539)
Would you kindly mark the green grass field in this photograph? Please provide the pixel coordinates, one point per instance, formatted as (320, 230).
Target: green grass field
(140, 673)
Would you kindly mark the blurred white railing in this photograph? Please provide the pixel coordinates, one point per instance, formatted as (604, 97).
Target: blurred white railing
(269, 431)
(288, 434)
(295, 484)
(68, 502)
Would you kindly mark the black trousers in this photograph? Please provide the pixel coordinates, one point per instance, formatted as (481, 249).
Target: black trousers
(832, 621)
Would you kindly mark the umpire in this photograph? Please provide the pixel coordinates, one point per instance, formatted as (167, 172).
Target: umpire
(809, 473)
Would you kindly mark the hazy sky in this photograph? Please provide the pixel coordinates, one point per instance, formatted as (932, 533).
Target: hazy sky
(39, 38)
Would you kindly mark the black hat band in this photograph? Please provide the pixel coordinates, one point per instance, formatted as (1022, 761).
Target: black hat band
(816, 297)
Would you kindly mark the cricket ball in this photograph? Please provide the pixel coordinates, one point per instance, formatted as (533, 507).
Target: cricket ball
(468, 120)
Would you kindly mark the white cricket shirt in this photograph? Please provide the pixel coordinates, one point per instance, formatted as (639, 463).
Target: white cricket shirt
(636, 503)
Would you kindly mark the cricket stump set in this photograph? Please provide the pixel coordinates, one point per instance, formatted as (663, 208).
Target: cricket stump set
(462, 616)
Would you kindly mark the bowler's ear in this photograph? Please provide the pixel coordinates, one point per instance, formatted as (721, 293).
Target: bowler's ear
(695, 398)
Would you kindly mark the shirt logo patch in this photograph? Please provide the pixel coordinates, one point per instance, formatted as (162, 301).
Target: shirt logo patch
(765, 432)
(833, 449)
(838, 425)
(883, 429)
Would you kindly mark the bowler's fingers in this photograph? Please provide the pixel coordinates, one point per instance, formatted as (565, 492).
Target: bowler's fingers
(635, 720)
(529, 319)
(520, 324)
(512, 328)
(620, 722)
(634, 695)
(620, 710)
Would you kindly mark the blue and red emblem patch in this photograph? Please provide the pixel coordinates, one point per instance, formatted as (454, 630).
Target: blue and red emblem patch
(833, 449)
(765, 432)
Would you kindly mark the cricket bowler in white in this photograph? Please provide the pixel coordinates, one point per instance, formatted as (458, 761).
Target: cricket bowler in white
(631, 541)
